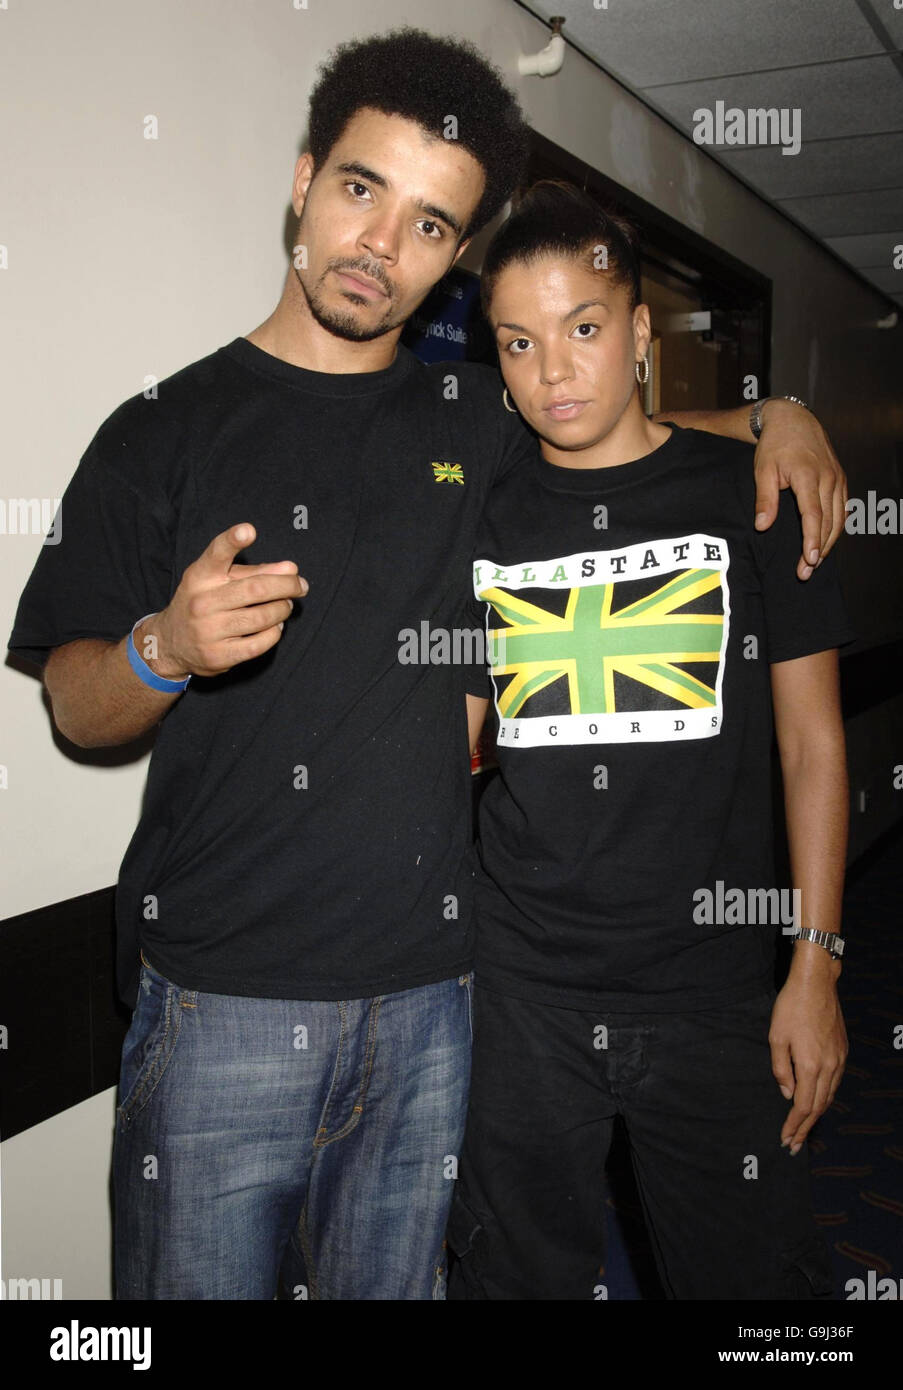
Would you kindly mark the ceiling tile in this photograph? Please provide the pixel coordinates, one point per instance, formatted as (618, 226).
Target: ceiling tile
(890, 17)
(822, 166)
(650, 42)
(852, 213)
(872, 249)
(861, 97)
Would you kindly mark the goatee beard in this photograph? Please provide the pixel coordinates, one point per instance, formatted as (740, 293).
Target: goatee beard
(342, 325)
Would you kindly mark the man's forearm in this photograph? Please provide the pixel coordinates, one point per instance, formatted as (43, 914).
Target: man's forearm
(731, 424)
(98, 701)
(793, 451)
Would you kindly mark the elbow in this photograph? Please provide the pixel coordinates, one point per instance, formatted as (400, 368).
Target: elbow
(812, 740)
(69, 728)
(807, 764)
(64, 719)
(84, 704)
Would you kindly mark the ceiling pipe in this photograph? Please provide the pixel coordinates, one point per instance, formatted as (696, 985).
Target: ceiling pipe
(549, 61)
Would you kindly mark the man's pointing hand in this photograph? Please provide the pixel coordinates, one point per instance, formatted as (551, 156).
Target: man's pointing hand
(222, 613)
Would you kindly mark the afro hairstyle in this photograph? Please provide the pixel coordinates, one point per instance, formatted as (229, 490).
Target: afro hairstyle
(408, 72)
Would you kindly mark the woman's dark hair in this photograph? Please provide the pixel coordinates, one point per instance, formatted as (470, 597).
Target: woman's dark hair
(555, 218)
(408, 72)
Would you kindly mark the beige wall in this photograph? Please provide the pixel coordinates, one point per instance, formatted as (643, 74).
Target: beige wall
(56, 1201)
(131, 257)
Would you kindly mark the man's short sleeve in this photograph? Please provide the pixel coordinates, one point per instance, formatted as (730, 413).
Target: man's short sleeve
(476, 673)
(109, 561)
(503, 438)
(518, 446)
(801, 616)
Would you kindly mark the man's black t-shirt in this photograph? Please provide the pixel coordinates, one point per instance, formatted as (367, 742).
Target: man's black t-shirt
(305, 832)
(632, 614)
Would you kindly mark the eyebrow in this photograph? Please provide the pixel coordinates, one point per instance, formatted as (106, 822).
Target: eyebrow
(577, 309)
(586, 304)
(355, 167)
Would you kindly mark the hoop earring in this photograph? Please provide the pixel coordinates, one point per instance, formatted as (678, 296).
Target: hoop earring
(512, 408)
(644, 362)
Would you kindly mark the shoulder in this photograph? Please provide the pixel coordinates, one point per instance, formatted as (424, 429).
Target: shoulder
(193, 388)
(497, 437)
(477, 380)
(719, 468)
(709, 449)
(150, 438)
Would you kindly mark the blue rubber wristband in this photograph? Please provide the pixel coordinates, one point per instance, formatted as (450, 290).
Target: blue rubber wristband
(144, 672)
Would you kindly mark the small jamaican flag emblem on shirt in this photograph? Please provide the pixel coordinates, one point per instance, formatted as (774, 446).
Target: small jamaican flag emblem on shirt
(448, 473)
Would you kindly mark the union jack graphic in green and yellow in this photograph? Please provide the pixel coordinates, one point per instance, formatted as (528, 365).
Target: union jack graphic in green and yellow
(648, 641)
(448, 473)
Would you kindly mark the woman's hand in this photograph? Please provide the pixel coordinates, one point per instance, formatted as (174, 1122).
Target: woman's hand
(808, 1048)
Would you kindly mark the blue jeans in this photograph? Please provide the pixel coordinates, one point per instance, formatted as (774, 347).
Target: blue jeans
(256, 1132)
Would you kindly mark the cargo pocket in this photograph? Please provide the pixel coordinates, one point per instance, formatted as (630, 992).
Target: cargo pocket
(463, 1235)
(806, 1270)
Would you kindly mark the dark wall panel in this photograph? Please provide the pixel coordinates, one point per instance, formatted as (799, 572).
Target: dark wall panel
(65, 1024)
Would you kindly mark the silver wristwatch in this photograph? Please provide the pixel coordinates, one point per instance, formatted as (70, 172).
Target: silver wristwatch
(755, 414)
(829, 939)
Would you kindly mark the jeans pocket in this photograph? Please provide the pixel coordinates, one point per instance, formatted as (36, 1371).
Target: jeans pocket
(150, 1041)
(467, 982)
(440, 1277)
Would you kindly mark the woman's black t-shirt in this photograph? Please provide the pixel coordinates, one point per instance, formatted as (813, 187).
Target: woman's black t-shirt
(633, 611)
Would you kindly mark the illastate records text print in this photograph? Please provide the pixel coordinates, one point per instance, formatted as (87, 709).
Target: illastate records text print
(609, 646)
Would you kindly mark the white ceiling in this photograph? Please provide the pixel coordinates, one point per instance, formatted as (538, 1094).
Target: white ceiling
(837, 61)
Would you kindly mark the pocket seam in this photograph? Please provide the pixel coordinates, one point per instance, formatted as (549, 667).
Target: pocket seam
(468, 985)
(155, 1064)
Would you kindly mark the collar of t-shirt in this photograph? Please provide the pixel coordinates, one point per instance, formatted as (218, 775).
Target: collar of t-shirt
(321, 383)
(619, 475)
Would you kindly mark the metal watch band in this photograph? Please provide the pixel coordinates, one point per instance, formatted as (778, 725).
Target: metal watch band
(830, 940)
(755, 414)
